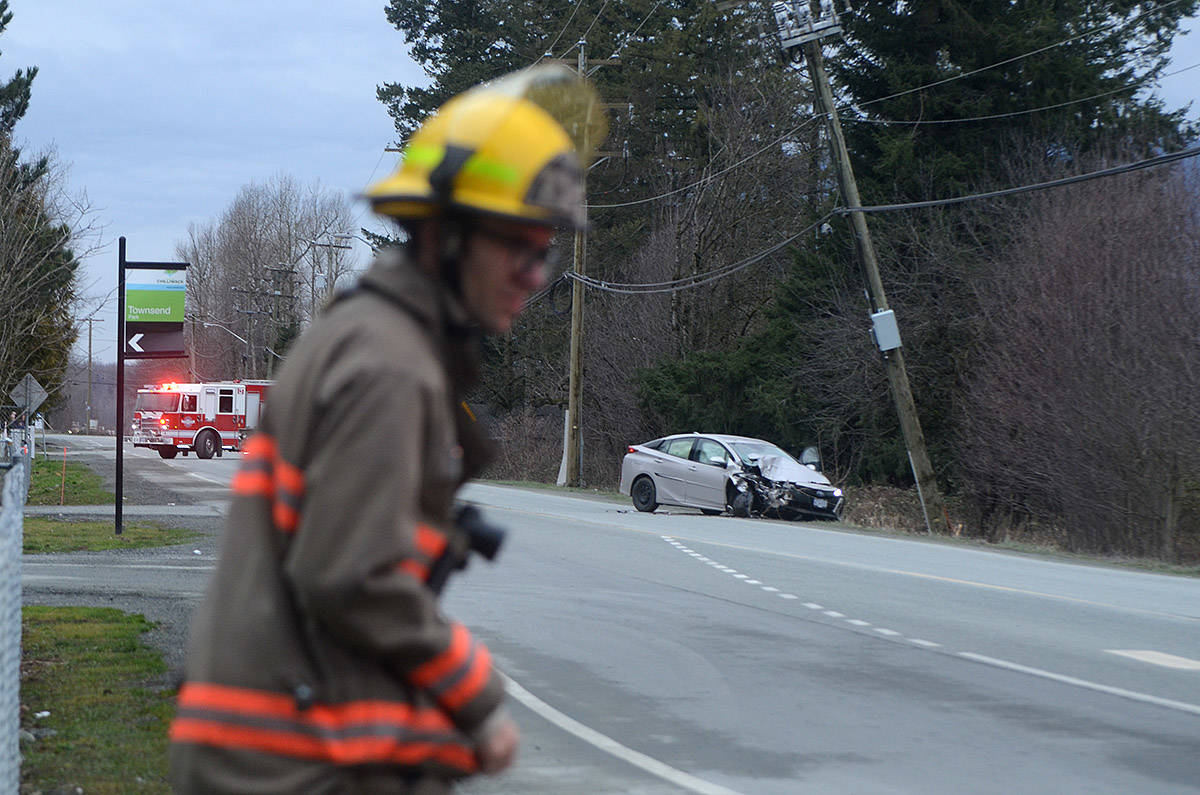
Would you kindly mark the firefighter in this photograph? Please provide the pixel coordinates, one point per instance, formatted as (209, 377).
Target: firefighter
(319, 660)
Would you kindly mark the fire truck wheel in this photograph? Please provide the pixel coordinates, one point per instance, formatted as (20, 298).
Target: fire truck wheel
(206, 444)
(167, 452)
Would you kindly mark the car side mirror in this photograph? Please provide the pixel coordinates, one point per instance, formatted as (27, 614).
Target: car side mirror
(717, 460)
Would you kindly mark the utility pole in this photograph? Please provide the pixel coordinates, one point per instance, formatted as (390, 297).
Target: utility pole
(804, 24)
(88, 431)
(279, 277)
(573, 438)
(574, 441)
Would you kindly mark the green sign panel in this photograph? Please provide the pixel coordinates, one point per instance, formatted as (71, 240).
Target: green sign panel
(155, 296)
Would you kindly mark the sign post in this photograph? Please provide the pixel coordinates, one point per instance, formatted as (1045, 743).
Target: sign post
(150, 326)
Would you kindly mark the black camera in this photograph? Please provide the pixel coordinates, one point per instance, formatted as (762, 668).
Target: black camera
(482, 538)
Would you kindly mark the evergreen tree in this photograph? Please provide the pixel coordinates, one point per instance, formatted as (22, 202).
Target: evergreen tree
(999, 60)
(37, 263)
(703, 117)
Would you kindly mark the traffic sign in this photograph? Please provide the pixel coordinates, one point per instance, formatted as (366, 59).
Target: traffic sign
(28, 394)
(154, 340)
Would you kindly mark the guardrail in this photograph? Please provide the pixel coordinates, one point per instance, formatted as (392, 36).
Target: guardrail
(14, 491)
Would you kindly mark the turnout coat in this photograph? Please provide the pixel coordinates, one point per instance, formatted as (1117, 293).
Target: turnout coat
(319, 660)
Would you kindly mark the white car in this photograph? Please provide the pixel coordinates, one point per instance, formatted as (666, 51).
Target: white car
(717, 472)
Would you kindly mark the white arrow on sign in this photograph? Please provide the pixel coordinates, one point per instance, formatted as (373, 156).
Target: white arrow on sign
(133, 342)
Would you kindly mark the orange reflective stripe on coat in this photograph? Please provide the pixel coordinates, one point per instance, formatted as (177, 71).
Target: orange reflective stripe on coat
(358, 732)
(264, 473)
(430, 544)
(458, 674)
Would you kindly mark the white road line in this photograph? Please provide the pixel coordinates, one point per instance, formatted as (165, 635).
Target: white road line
(605, 743)
(1158, 658)
(1145, 698)
(857, 622)
(26, 564)
(210, 480)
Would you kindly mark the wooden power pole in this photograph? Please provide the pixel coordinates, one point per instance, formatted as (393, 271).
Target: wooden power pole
(804, 26)
(574, 435)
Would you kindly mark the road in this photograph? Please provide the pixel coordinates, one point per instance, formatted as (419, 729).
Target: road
(673, 652)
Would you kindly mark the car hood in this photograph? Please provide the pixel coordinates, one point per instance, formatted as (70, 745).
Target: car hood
(774, 467)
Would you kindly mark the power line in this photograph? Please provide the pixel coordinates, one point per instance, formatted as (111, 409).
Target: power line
(1107, 172)
(1027, 111)
(595, 19)
(550, 49)
(1016, 58)
(696, 280)
(854, 106)
(630, 36)
(709, 178)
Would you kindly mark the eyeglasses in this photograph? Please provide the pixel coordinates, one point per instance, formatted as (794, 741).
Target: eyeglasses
(525, 256)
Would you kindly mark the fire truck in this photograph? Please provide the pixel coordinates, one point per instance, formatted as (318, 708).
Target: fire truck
(207, 418)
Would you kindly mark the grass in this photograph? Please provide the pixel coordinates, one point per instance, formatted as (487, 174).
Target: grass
(82, 485)
(44, 535)
(106, 731)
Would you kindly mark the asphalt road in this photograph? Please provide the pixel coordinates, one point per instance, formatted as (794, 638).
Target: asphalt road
(673, 652)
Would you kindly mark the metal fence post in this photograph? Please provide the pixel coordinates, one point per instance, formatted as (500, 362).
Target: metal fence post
(13, 493)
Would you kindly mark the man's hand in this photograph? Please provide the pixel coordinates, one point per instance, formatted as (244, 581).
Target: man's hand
(498, 741)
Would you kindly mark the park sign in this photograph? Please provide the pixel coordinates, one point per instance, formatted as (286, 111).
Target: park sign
(155, 296)
(152, 306)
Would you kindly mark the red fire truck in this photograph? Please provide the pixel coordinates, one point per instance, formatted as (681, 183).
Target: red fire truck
(207, 418)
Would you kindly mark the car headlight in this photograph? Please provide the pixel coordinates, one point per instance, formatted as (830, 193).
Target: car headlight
(837, 492)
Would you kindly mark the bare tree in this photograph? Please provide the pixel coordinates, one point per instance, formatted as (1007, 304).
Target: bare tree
(260, 272)
(1081, 414)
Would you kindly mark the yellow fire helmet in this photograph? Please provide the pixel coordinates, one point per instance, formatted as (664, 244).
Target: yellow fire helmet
(510, 148)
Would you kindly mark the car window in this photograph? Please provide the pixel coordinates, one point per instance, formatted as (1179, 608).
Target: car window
(753, 450)
(678, 447)
(656, 444)
(708, 452)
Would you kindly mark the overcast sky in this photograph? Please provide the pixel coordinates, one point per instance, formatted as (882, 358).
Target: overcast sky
(163, 111)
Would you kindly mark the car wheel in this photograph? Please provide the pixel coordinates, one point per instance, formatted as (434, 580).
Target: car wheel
(206, 444)
(645, 498)
(167, 452)
(740, 505)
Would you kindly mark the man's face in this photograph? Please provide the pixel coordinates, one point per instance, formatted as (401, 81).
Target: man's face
(502, 264)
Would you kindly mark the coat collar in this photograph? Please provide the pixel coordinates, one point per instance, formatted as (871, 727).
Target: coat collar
(398, 278)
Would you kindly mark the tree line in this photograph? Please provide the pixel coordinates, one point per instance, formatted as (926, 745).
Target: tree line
(41, 229)
(1049, 337)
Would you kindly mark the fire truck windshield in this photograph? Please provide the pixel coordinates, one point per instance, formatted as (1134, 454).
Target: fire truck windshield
(157, 401)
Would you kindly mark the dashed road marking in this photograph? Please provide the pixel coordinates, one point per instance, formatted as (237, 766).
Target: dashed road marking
(1158, 658)
(746, 578)
(1143, 655)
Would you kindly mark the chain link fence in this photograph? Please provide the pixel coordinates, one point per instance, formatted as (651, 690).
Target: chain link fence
(14, 471)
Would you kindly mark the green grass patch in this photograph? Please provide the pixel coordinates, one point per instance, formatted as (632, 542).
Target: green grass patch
(51, 484)
(43, 535)
(107, 727)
